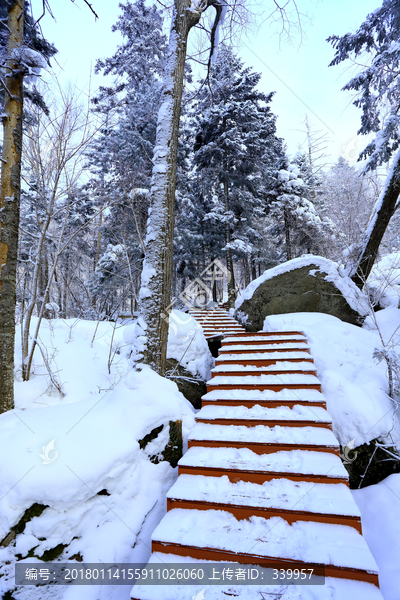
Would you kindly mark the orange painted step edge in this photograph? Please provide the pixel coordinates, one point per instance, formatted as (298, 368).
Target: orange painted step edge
(263, 448)
(245, 512)
(268, 423)
(235, 475)
(229, 556)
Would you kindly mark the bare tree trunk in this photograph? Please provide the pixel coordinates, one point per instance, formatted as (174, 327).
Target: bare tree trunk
(10, 202)
(246, 271)
(214, 283)
(229, 260)
(383, 212)
(98, 244)
(253, 268)
(155, 292)
(287, 235)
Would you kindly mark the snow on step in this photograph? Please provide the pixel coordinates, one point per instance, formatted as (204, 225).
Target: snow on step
(322, 498)
(281, 356)
(220, 320)
(304, 462)
(262, 434)
(334, 589)
(281, 413)
(264, 339)
(281, 365)
(285, 378)
(257, 347)
(305, 541)
(310, 395)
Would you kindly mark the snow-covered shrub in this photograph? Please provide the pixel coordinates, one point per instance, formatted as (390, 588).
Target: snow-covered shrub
(384, 281)
(79, 457)
(186, 343)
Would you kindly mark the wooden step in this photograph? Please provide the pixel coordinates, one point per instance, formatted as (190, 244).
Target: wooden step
(255, 372)
(267, 403)
(333, 550)
(266, 398)
(259, 477)
(246, 512)
(339, 589)
(259, 362)
(242, 349)
(300, 416)
(270, 423)
(274, 387)
(290, 500)
(262, 448)
(273, 333)
(253, 559)
(263, 439)
(258, 342)
(245, 465)
(263, 382)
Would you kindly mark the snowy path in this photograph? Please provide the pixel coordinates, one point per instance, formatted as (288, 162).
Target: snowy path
(262, 480)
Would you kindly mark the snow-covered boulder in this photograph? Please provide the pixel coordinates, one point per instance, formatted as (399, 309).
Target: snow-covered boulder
(188, 346)
(189, 360)
(306, 284)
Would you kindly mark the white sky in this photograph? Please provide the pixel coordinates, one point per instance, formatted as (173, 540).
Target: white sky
(299, 75)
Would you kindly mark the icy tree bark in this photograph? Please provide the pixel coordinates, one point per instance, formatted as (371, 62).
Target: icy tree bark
(10, 202)
(155, 292)
(287, 235)
(383, 212)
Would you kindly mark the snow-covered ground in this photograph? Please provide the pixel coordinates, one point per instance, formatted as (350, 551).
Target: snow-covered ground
(355, 387)
(384, 281)
(63, 449)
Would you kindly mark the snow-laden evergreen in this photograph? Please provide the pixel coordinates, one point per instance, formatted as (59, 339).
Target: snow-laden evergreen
(235, 152)
(302, 226)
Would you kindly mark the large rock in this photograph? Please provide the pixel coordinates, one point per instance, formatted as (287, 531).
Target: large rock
(306, 284)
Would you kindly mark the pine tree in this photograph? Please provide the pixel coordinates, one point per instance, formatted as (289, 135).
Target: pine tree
(302, 225)
(121, 156)
(235, 152)
(140, 59)
(377, 90)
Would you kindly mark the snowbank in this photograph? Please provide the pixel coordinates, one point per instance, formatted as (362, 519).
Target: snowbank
(354, 385)
(379, 505)
(62, 451)
(86, 357)
(186, 344)
(335, 274)
(384, 281)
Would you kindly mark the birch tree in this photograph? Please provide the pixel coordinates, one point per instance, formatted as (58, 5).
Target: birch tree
(155, 292)
(9, 198)
(150, 345)
(25, 55)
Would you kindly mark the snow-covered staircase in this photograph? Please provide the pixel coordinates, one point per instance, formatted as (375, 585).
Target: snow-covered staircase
(216, 322)
(262, 480)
